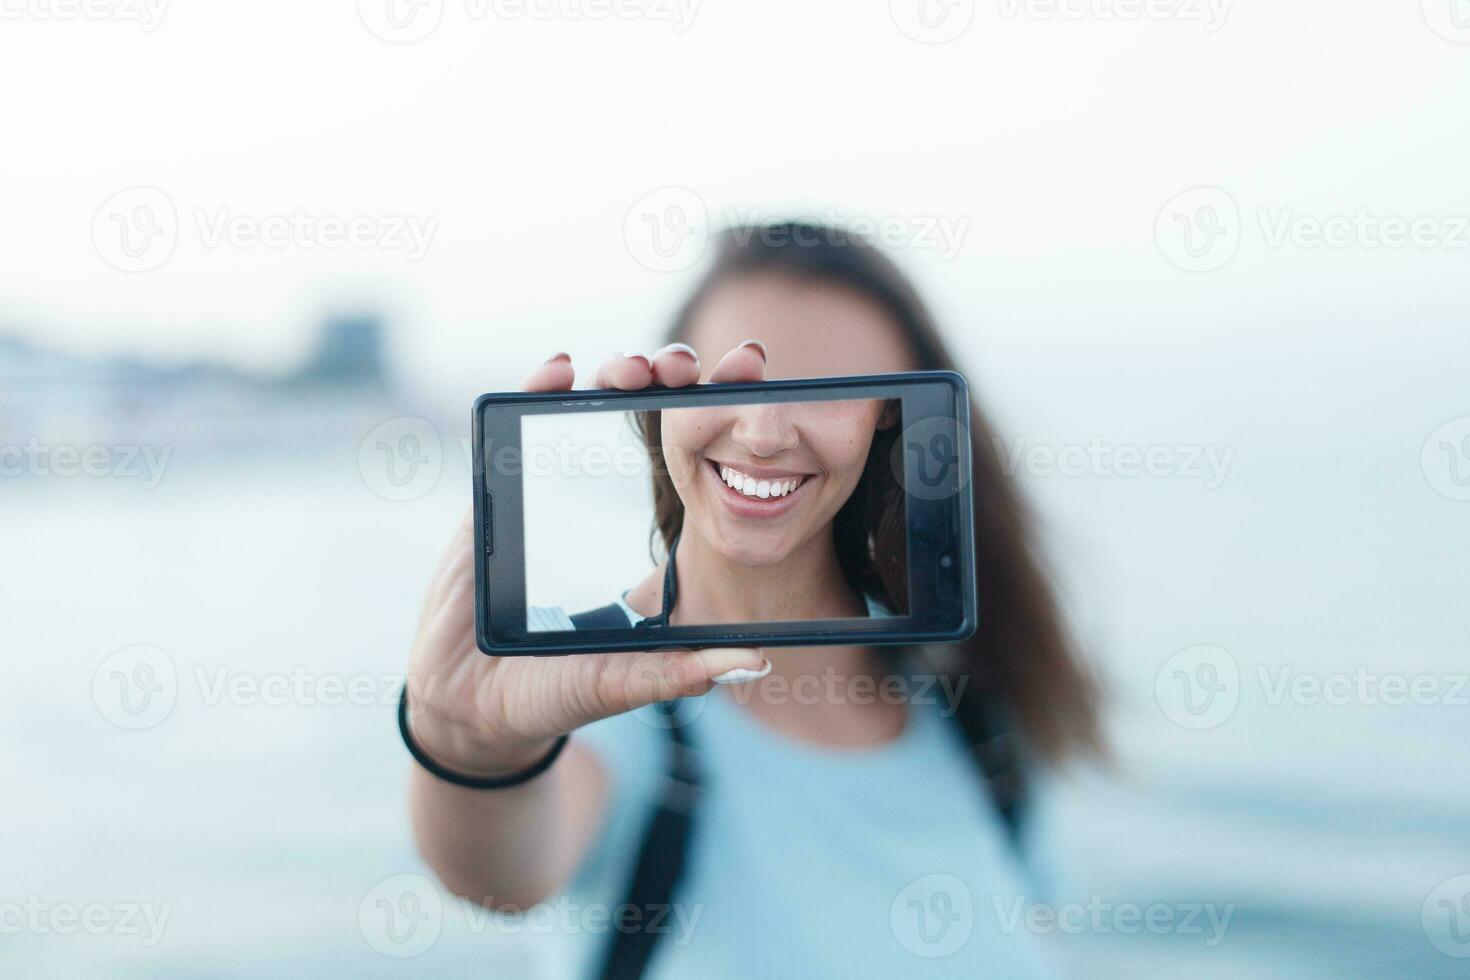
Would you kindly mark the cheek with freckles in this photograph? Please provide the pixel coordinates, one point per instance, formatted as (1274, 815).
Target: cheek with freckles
(686, 432)
(839, 435)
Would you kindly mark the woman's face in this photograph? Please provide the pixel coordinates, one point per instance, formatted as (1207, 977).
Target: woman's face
(759, 481)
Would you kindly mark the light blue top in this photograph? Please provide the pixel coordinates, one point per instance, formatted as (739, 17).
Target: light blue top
(809, 862)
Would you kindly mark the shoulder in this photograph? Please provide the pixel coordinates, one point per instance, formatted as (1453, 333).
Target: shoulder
(545, 619)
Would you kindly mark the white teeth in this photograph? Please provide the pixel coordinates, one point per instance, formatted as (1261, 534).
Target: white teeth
(751, 487)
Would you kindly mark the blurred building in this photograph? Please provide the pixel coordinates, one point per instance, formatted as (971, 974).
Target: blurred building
(60, 398)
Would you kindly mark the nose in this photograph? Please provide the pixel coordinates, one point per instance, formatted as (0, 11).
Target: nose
(765, 430)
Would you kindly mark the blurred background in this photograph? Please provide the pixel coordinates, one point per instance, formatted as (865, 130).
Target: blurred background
(1206, 263)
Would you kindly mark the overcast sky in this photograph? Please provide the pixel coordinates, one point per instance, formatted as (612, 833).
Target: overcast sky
(498, 167)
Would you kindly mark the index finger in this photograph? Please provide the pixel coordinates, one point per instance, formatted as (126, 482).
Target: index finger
(556, 374)
(745, 363)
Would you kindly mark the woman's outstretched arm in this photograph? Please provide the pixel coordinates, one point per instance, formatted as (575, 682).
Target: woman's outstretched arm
(488, 716)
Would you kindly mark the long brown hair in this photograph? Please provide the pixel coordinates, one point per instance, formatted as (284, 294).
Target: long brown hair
(1020, 660)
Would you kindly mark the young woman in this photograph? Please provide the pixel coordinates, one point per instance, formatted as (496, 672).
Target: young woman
(762, 831)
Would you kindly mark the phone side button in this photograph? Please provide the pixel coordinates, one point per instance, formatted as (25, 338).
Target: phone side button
(489, 524)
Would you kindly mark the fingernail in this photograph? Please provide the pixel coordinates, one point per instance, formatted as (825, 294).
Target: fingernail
(559, 356)
(635, 355)
(758, 346)
(742, 674)
(676, 349)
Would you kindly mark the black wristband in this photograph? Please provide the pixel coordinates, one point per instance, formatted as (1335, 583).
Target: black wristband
(459, 779)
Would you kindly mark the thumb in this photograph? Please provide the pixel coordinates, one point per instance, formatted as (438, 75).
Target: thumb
(733, 665)
(629, 681)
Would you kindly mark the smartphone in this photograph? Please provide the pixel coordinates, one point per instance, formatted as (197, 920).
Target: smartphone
(581, 496)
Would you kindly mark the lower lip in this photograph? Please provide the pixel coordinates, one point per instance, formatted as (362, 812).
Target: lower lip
(743, 506)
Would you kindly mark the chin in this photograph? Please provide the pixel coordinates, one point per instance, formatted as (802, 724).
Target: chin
(752, 553)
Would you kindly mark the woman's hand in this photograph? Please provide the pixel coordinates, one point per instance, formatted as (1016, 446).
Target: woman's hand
(484, 715)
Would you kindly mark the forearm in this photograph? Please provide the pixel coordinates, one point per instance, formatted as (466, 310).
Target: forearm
(503, 847)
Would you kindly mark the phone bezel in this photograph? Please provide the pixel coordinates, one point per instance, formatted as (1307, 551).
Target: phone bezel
(942, 604)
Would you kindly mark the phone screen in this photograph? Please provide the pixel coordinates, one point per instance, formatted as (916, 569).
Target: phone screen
(761, 501)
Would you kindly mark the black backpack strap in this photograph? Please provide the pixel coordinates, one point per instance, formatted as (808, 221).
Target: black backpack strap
(613, 616)
(608, 617)
(671, 590)
(997, 754)
(661, 858)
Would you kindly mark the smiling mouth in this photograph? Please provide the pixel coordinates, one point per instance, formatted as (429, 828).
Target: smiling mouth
(759, 492)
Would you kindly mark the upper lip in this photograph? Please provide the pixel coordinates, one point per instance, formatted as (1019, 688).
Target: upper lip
(762, 472)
